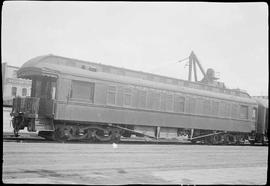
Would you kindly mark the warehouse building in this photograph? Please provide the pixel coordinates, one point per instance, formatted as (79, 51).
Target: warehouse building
(13, 86)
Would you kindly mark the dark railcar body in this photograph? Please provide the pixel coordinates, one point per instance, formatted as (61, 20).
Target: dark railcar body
(262, 121)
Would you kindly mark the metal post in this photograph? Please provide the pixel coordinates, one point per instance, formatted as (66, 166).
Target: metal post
(191, 134)
(195, 71)
(158, 132)
(190, 67)
(197, 61)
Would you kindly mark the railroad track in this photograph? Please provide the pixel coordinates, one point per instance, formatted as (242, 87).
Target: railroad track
(37, 139)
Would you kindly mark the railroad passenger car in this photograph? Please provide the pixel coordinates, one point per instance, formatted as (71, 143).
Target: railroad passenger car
(73, 99)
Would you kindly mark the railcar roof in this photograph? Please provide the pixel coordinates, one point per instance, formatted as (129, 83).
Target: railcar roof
(77, 73)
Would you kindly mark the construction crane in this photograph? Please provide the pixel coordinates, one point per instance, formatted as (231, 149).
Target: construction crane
(208, 77)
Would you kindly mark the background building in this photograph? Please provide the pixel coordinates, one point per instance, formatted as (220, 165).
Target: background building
(13, 86)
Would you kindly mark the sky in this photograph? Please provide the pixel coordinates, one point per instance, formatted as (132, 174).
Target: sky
(231, 38)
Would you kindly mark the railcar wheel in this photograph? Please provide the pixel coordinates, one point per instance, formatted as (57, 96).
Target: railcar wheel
(116, 136)
(61, 135)
(229, 139)
(91, 135)
(239, 139)
(234, 139)
(208, 140)
(216, 139)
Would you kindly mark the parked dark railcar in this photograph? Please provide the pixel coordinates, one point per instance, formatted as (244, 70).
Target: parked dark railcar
(73, 99)
(262, 121)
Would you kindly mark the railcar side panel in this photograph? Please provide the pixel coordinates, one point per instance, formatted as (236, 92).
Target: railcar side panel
(119, 103)
(104, 114)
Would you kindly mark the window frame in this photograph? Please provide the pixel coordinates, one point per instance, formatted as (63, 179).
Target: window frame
(181, 100)
(14, 88)
(254, 113)
(142, 94)
(240, 112)
(169, 105)
(91, 93)
(24, 92)
(215, 107)
(111, 92)
(127, 92)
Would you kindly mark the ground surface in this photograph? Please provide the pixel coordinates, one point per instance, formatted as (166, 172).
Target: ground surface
(96, 164)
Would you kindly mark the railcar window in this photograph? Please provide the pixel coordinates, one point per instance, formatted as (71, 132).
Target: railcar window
(179, 103)
(227, 109)
(157, 101)
(24, 92)
(82, 90)
(223, 109)
(199, 105)
(111, 95)
(153, 100)
(93, 69)
(127, 97)
(14, 91)
(206, 107)
(215, 106)
(53, 90)
(254, 113)
(169, 102)
(163, 101)
(150, 99)
(234, 111)
(192, 105)
(142, 98)
(243, 112)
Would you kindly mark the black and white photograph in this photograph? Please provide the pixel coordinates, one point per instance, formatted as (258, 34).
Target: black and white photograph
(144, 93)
